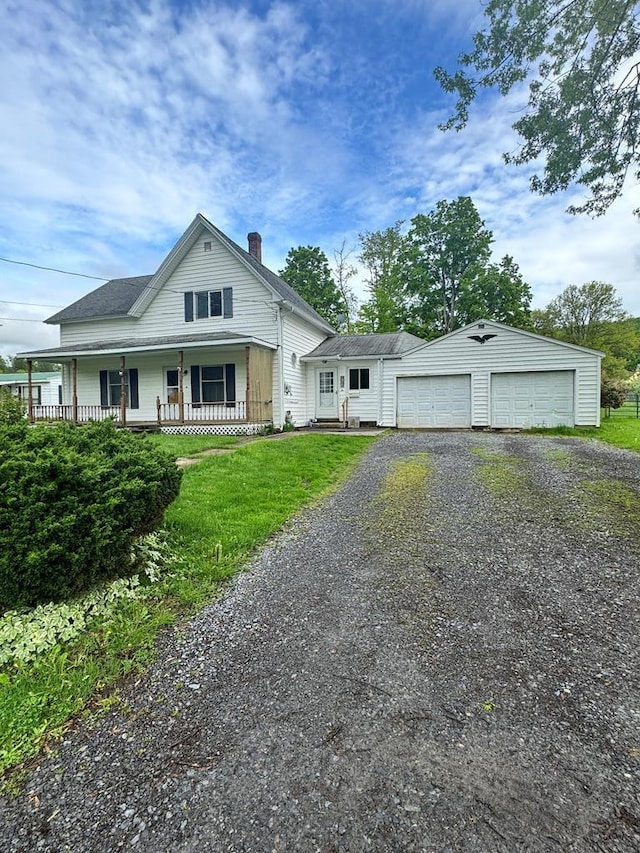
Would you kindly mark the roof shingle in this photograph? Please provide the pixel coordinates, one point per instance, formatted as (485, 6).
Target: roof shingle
(359, 346)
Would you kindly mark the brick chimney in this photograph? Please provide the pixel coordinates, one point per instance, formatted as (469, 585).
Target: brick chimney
(255, 245)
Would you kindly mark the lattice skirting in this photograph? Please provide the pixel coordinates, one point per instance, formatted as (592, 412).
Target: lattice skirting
(213, 429)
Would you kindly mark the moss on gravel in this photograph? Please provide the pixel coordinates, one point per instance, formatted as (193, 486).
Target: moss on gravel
(404, 502)
(501, 474)
(608, 506)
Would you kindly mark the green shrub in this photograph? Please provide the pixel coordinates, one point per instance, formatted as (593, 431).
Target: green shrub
(613, 393)
(72, 501)
(12, 409)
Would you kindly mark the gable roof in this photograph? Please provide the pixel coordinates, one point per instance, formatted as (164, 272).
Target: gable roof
(122, 297)
(113, 299)
(494, 324)
(363, 346)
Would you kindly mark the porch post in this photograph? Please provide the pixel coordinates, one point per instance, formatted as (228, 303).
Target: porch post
(158, 404)
(123, 394)
(30, 389)
(74, 389)
(247, 396)
(181, 386)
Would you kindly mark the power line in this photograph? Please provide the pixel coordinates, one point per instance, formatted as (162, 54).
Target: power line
(53, 269)
(29, 304)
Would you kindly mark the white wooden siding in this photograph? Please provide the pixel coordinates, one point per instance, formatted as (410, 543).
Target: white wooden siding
(48, 390)
(299, 337)
(510, 350)
(363, 403)
(151, 376)
(254, 312)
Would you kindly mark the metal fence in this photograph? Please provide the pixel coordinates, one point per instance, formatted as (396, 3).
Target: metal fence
(629, 409)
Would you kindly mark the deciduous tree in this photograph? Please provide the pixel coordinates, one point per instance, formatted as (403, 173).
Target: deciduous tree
(443, 254)
(580, 61)
(307, 271)
(384, 310)
(343, 272)
(498, 292)
(592, 315)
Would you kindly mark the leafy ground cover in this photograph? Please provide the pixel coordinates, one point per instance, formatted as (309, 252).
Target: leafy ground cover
(228, 505)
(621, 431)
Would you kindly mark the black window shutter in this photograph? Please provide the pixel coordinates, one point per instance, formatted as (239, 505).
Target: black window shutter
(230, 382)
(202, 304)
(188, 307)
(227, 301)
(133, 388)
(104, 388)
(195, 383)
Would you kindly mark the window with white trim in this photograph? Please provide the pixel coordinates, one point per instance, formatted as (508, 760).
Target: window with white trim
(208, 304)
(114, 386)
(359, 379)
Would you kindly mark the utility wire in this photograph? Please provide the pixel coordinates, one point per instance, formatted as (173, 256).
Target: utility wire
(53, 269)
(28, 304)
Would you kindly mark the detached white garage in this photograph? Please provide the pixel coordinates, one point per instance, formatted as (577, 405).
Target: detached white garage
(491, 375)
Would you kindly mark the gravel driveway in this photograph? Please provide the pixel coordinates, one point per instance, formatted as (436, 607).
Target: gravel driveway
(443, 656)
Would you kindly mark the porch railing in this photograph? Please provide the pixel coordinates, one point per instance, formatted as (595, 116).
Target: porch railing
(201, 412)
(82, 414)
(166, 413)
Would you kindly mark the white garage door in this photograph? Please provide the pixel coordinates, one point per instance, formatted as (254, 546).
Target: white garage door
(532, 399)
(434, 401)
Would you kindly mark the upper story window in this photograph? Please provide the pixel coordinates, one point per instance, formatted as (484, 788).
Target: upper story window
(205, 304)
(359, 379)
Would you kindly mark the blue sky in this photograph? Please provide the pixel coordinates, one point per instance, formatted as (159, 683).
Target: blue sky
(309, 121)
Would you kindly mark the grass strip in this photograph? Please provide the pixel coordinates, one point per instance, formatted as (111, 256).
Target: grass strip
(620, 431)
(191, 445)
(228, 506)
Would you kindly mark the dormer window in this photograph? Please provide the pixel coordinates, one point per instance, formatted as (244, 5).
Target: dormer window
(206, 304)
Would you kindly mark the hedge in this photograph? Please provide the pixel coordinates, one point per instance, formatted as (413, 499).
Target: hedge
(72, 501)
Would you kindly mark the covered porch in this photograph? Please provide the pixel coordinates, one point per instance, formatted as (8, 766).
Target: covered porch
(222, 383)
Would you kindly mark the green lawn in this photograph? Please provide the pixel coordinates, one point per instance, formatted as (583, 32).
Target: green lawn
(227, 507)
(191, 445)
(618, 429)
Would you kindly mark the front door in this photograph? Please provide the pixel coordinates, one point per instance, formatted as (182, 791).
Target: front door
(172, 386)
(327, 395)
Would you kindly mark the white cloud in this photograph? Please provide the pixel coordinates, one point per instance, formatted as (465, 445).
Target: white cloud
(309, 122)
(553, 248)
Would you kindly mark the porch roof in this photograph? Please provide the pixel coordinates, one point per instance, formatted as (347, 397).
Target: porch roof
(127, 345)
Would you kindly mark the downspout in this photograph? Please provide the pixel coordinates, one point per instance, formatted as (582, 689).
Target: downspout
(380, 395)
(280, 367)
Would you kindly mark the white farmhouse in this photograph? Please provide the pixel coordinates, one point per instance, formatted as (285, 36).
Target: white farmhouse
(214, 341)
